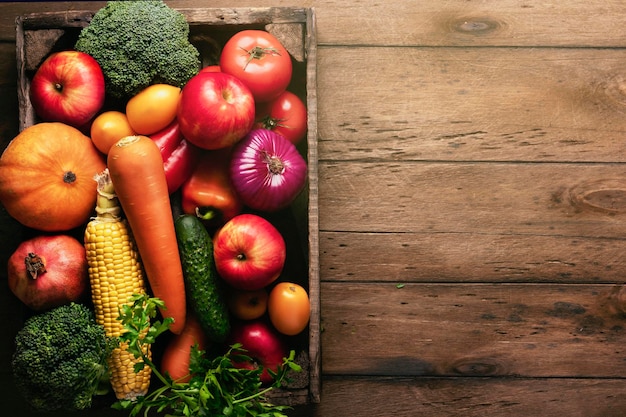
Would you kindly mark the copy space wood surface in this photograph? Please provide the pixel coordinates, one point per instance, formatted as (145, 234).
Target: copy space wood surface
(472, 204)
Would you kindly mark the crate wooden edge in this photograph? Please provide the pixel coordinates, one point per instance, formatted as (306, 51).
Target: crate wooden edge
(313, 209)
(226, 16)
(194, 15)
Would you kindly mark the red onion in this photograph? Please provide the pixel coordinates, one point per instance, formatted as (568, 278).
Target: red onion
(267, 170)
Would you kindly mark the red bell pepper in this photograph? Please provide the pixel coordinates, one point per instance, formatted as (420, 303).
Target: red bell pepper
(208, 193)
(179, 156)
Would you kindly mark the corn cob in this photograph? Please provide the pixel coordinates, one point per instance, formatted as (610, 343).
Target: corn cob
(115, 274)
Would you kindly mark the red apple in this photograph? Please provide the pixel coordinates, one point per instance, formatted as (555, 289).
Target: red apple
(48, 271)
(264, 345)
(249, 252)
(215, 110)
(68, 87)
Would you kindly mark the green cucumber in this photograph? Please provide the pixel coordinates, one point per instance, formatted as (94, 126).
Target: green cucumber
(202, 284)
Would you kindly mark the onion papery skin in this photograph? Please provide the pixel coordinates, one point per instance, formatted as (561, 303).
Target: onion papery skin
(267, 170)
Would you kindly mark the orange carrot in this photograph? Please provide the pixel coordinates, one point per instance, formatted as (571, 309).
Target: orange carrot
(177, 353)
(137, 173)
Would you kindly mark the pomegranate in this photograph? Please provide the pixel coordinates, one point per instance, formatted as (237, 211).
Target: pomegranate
(48, 271)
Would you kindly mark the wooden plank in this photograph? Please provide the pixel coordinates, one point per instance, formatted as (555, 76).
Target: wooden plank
(462, 23)
(567, 200)
(473, 330)
(470, 257)
(480, 104)
(424, 22)
(10, 10)
(467, 397)
(213, 16)
(312, 208)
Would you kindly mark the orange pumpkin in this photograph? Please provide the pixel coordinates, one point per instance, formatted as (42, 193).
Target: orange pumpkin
(47, 177)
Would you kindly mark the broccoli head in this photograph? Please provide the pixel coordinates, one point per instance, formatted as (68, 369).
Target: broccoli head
(139, 43)
(60, 358)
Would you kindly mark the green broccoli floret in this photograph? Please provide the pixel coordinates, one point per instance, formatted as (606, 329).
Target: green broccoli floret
(60, 358)
(139, 43)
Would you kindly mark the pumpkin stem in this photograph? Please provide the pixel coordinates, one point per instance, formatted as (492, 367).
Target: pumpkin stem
(35, 265)
(69, 177)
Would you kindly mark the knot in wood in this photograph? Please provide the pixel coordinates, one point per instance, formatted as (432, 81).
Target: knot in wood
(476, 25)
(607, 196)
(477, 367)
(613, 90)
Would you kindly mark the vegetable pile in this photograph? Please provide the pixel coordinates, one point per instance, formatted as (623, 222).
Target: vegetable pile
(175, 179)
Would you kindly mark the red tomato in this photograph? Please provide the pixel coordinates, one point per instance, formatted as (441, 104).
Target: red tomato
(258, 59)
(285, 115)
(289, 308)
(211, 68)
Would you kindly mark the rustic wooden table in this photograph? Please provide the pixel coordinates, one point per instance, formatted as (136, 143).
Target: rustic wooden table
(472, 203)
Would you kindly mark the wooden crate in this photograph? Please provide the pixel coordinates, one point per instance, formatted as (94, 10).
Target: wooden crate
(39, 34)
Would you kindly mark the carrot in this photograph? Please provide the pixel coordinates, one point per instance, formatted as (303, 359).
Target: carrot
(176, 355)
(136, 170)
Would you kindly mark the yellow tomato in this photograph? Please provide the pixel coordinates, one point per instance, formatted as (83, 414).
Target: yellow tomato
(109, 127)
(247, 305)
(153, 108)
(289, 308)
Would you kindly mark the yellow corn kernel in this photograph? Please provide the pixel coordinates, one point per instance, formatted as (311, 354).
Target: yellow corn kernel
(115, 275)
(125, 382)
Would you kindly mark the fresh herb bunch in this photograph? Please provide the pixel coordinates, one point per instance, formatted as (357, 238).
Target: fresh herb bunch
(216, 388)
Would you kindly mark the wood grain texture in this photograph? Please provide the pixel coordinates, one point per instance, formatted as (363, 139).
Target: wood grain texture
(473, 330)
(418, 22)
(479, 104)
(469, 257)
(470, 397)
(568, 200)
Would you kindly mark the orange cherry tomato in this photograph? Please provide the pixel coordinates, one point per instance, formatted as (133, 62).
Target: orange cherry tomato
(153, 108)
(247, 305)
(289, 308)
(109, 127)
